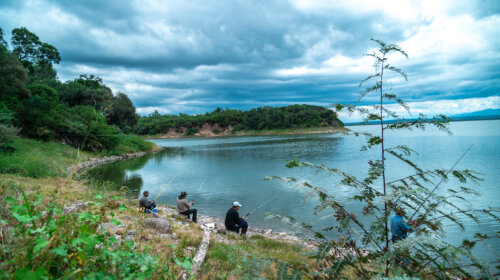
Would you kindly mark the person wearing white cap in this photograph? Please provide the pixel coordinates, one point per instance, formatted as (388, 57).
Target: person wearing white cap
(233, 222)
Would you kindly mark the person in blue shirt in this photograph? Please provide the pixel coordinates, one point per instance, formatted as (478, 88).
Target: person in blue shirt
(400, 230)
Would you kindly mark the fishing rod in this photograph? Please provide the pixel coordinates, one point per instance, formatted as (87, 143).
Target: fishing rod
(261, 205)
(164, 188)
(442, 179)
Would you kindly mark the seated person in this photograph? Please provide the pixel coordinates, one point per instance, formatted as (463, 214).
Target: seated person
(183, 207)
(145, 205)
(233, 221)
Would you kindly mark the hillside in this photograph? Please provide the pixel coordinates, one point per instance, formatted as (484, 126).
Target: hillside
(226, 121)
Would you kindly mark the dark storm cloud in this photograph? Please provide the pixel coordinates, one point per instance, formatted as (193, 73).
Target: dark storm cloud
(192, 57)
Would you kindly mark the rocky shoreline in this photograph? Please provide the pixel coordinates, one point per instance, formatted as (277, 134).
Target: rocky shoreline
(93, 162)
(222, 237)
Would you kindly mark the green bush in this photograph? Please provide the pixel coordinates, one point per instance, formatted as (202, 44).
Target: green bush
(129, 143)
(86, 128)
(7, 131)
(45, 243)
(191, 131)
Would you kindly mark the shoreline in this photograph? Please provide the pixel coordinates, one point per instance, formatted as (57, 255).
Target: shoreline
(93, 162)
(222, 235)
(205, 134)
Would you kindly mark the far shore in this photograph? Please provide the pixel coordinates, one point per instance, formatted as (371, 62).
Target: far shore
(267, 132)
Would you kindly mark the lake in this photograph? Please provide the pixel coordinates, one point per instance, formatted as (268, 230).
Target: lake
(217, 171)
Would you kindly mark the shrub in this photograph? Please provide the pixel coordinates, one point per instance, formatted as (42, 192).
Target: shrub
(46, 243)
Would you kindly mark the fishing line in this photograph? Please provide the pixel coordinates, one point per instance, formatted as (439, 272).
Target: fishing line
(164, 188)
(442, 179)
(202, 184)
(262, 205)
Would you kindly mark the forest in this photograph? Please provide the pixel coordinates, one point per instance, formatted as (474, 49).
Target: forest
(83, 112)
(292, 116)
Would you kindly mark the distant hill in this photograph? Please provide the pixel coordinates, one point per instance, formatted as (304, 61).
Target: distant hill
(232, 121)
(489, 114)
(478, 115)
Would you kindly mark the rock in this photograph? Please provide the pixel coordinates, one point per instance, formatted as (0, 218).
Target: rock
(131, 232)
(129, 218)
(146, 237)
(269, 231)
(77, 207)
(282, 234)
(165, 236)
(120, 231)
(128, 238)
(108, 227)
(160, 225)
(222, 230)
(155, 215)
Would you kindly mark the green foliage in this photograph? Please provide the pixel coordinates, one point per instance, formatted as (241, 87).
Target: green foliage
(46, 243)
(3, 43)
(82, 112)
(293, 116)
(12, 78)
(191, 131)
(87, 90)
(128, 144)
(87, 128)
(363, 245)
(37, 159)
(122, 113)
(41, 113)
(29, 49)
(7, 131)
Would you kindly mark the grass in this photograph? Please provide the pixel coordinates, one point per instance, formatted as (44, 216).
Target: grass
(250, 258)
(39, 159)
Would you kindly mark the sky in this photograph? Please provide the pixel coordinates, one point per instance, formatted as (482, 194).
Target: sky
(195, 56)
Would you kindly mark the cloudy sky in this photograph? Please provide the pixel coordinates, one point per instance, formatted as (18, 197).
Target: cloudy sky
(195, 56)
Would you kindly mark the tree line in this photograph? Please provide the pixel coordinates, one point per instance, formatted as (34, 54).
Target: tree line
(33, 102)
(262, 118)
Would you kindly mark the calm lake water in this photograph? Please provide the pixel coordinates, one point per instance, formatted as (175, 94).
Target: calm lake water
(217, 171)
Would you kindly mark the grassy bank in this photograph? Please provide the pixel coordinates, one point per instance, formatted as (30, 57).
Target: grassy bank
(39, 244)
(39, 239)
(37, 159)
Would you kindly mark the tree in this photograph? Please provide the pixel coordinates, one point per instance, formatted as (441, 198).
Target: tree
(36, 56)
(122, 112)
(3, 43)
(41, 113)
(12, 79)
(363, 243)
(87, 90)
(29, 49)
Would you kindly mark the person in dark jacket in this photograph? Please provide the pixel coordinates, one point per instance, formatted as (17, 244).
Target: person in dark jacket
(233, 221)
(145, 205)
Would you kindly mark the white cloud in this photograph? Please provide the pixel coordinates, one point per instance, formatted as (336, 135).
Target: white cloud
(431, 108)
